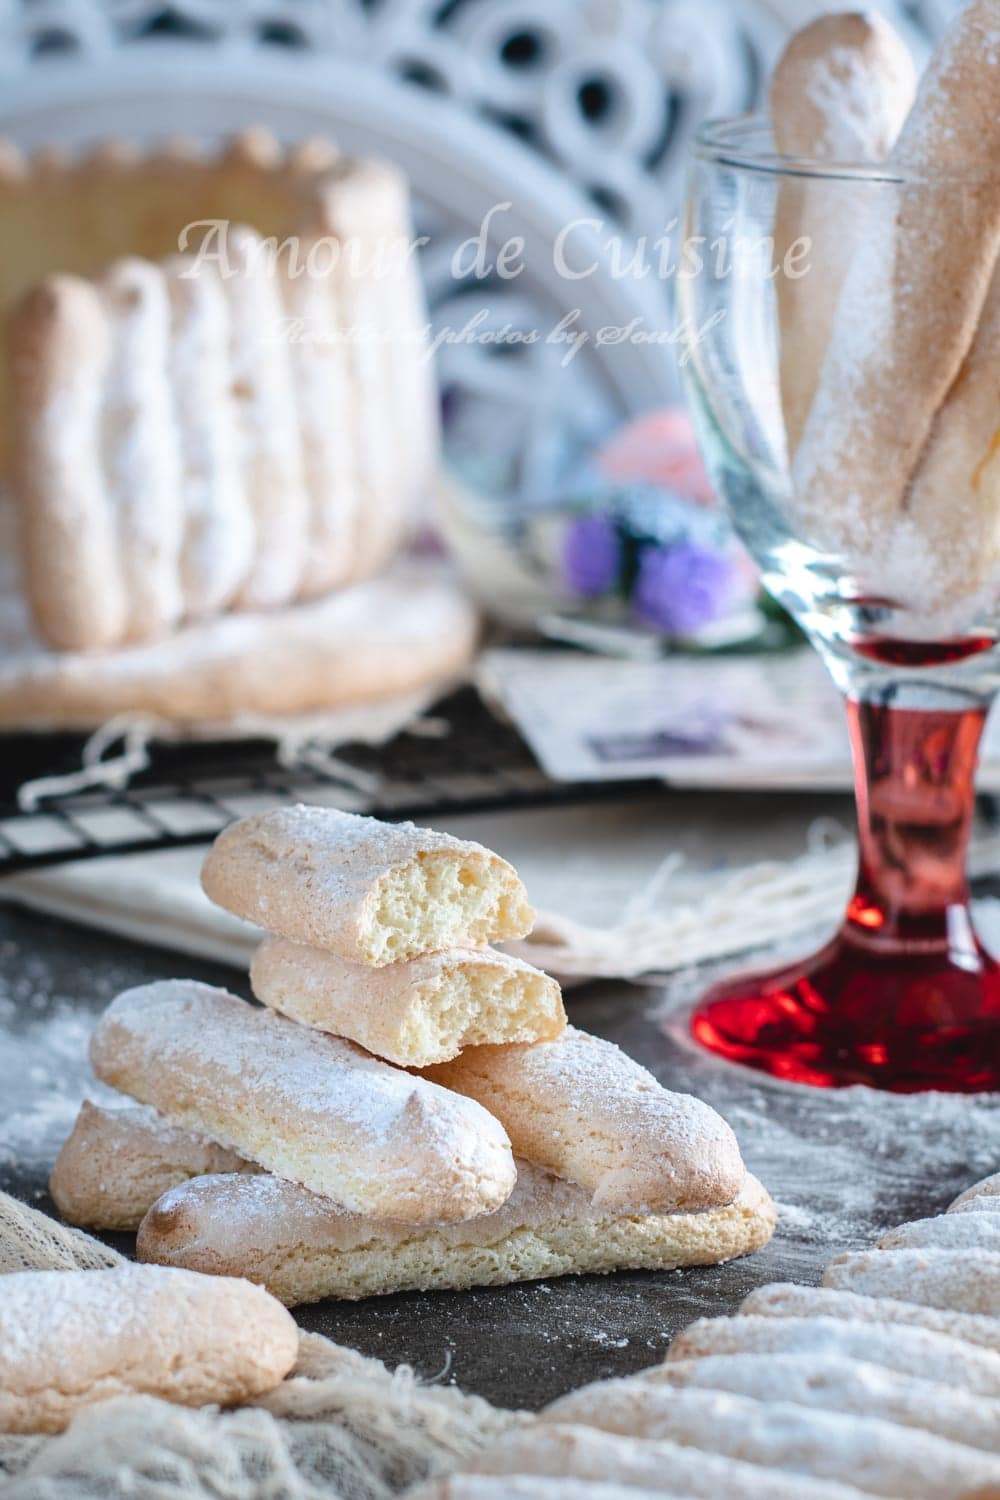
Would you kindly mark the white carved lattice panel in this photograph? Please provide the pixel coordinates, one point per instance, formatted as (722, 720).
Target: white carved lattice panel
(566, 109)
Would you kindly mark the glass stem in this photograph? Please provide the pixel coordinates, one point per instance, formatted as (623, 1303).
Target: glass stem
(915, 784)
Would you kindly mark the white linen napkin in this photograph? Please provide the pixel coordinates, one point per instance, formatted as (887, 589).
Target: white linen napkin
(609, 904)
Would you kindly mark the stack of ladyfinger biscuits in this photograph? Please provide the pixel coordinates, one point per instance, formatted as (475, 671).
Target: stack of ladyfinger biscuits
(407, 1109)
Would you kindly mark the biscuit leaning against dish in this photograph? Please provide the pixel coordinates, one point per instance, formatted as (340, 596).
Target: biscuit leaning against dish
(370, 892)
(303, 1248)
(416, 1012)
(219, 538)
(587, 1111)
(267, 424)
(59, 351)
(70, 1339)
(313, 1108)
(144, 481)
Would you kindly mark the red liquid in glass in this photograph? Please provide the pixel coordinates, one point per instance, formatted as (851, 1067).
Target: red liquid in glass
(905, 997)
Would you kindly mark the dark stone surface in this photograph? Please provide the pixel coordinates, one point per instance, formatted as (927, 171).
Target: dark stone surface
(842, 1166)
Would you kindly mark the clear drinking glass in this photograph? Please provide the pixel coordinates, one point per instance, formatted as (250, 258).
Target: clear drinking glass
(905, 613)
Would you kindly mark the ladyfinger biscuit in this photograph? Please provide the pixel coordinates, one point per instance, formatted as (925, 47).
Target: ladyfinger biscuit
(321, 370)
(310, 1107)
(876, 1456)
(955, 1279)
(71, 1339)
(839, 93)
(582, 1108)
(946, 544)
(415, 1012)
(370, 892)
(580, 1453)
(397, 395)
(785, 1300)
(117, 1162)
(852, 1386)
(989, 1188)
(841, 89)
(267, 421)
(219, 538)
(363, 206)
(525, 1487)
(142, 468)
(59, 350)
(304, 1248)
(910, 1351)
(946, 1232)
(911, 299)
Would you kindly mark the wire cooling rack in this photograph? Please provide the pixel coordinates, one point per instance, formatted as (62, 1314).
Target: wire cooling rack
(188, 793)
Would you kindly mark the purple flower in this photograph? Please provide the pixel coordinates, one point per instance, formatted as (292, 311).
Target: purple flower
(680, 588)
(592, 556)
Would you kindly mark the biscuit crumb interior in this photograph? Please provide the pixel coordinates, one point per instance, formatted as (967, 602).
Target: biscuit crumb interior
(437, 901)
(476, 1005)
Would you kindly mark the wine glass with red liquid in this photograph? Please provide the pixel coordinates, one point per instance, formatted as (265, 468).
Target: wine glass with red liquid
(905, 996)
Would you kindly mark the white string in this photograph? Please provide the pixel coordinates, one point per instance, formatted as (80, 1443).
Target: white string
(668, 927)
(114, 772)
(430, 727)
(297, 746)
(296, 752)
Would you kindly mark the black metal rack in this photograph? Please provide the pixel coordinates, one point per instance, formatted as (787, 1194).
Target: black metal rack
(189, 792)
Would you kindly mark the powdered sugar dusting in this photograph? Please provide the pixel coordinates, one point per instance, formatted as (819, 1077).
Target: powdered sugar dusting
(176, 1022)
(862, 100)
(233, 1213)
(907, 315)
(952, 1280)
(46, 1074)
(303, 1104)
(850, 1386)
(844, 1165)
(138, 443)
(600, 1119)
(310, 837)
(884, 1458)
(219, 537)
(958, 1231)
(268, 425)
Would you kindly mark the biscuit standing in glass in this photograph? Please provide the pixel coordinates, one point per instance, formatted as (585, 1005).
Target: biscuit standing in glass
(880, 532)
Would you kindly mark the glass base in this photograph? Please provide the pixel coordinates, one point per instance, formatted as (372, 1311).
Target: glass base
(898, 1020)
